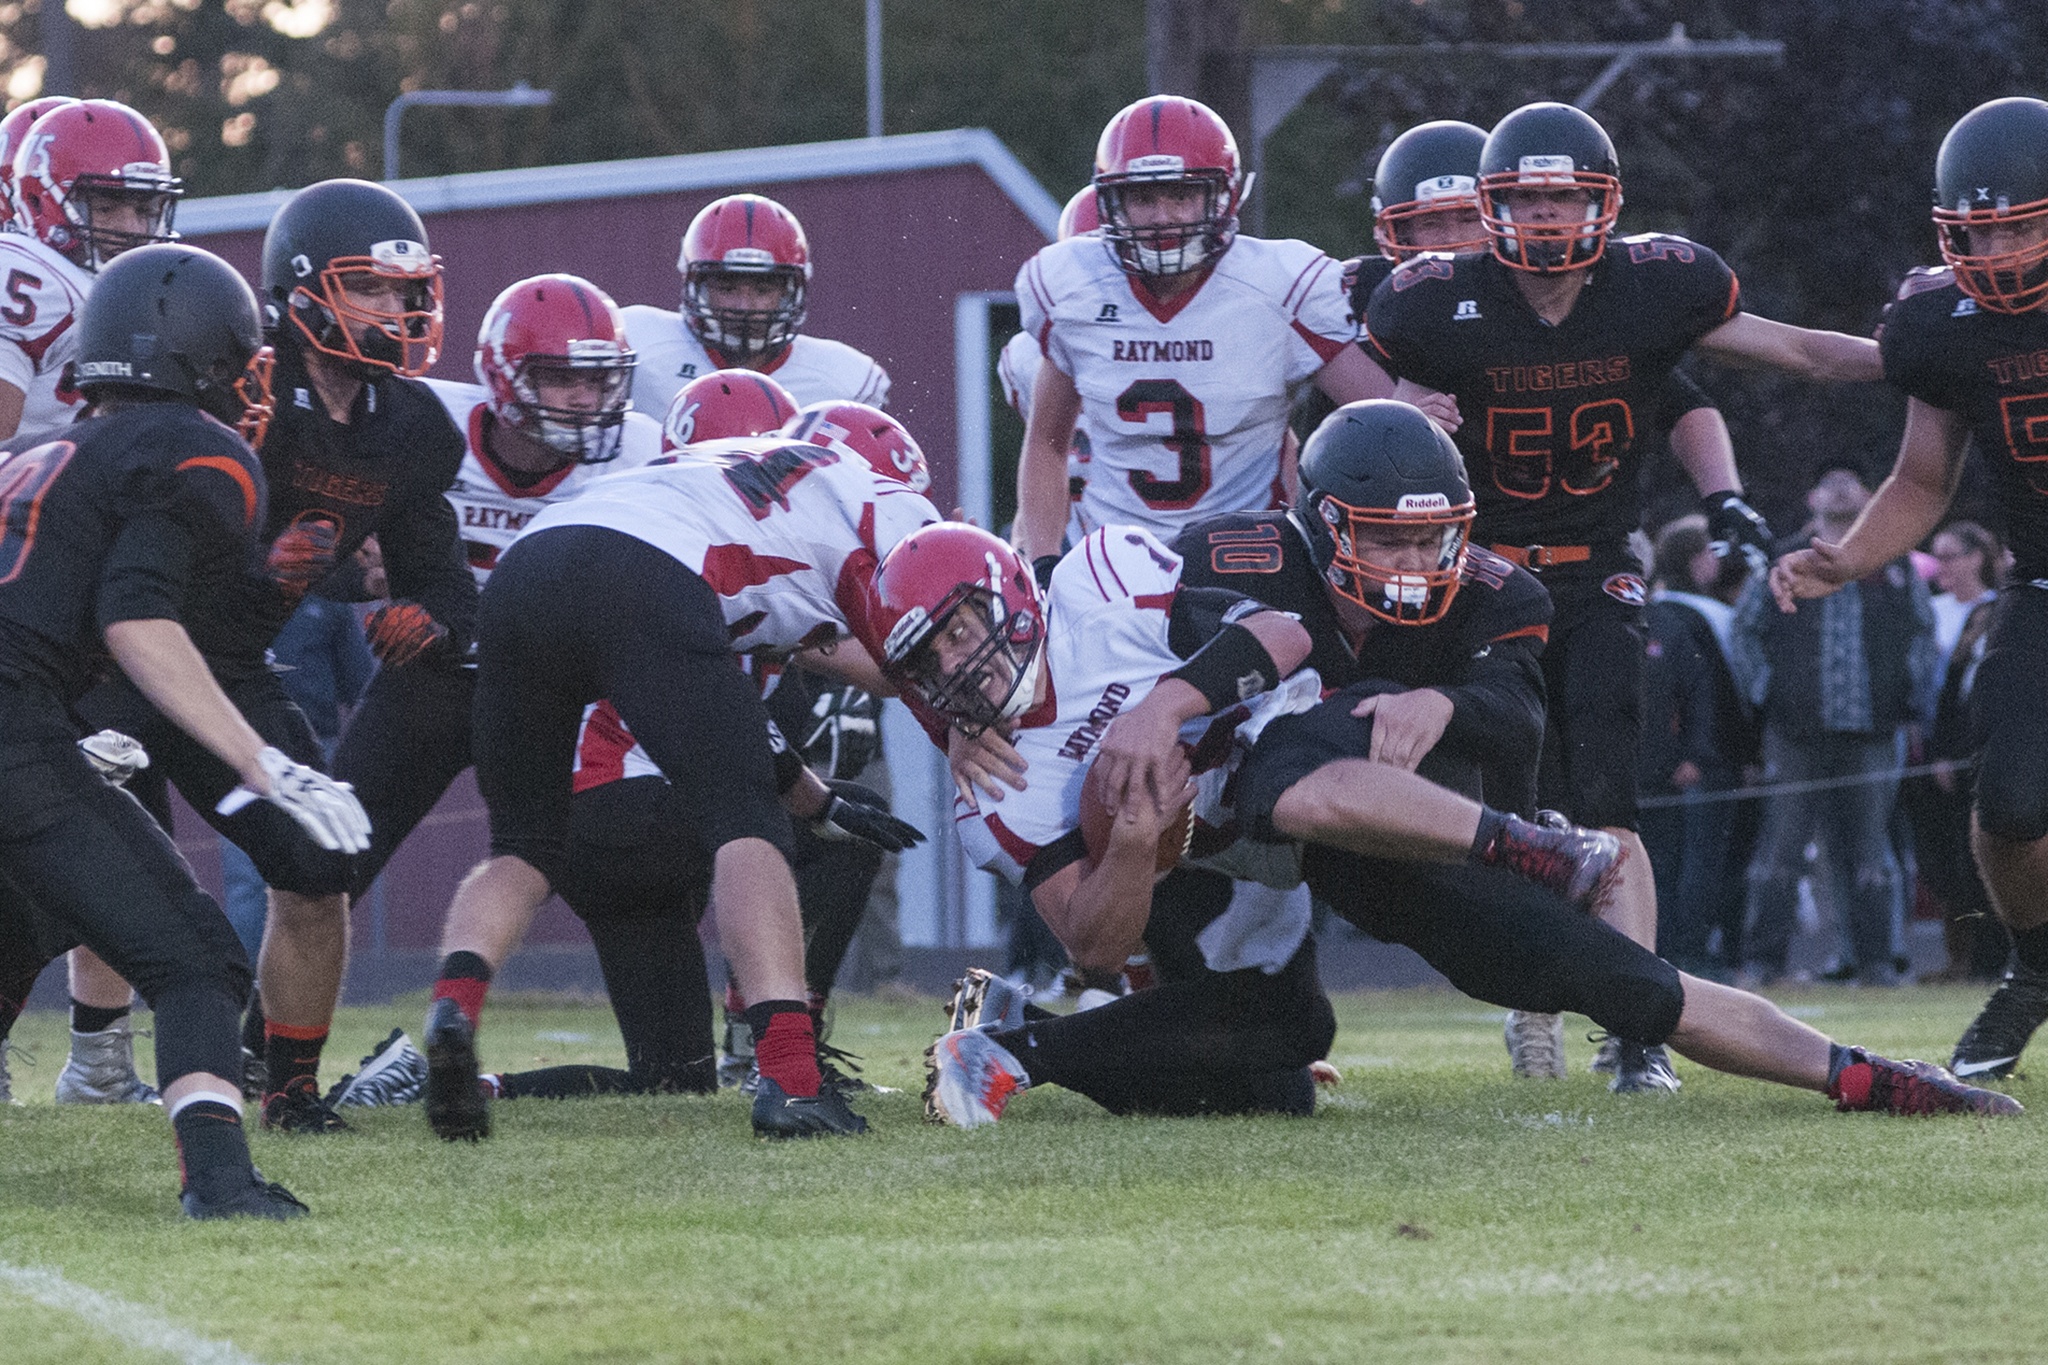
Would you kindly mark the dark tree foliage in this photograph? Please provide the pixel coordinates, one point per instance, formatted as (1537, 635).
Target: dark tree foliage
(1810, 175)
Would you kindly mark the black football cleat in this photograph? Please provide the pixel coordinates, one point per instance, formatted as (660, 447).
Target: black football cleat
(1880, 1085)
(254, 1197)
(1580, 865)
(299, 1110)
(456, 1106)
(1643, 1070)
(781, 1115)
(1992, 1044)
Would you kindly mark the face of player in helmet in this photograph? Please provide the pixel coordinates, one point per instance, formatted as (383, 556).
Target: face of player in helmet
(1400, 569)
(113, 220)
(1457, 229)
(1547, 207)
(744, 293)
(1165, 203)
(970, 668)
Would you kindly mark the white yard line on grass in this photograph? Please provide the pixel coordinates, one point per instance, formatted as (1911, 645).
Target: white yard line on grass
(139, 1327)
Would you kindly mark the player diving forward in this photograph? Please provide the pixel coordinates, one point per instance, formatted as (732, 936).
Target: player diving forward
(105, 534)
(1111, 667)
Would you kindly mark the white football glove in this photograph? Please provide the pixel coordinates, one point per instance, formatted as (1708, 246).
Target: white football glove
(118, 757)
(326, 809)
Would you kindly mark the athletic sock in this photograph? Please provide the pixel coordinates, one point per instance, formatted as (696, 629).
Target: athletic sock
(465, 978)
(93, 1018)
(785, 1047)
(213, 1150)
(2031, 947)
(292, 1054)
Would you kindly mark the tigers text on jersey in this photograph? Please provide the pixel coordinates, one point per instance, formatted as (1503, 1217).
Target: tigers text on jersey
(1551, 413)
(786, 533)
(490, 506)
(1185, 405)
(1017, 367)
(1991, 369)
(813, 369)
(41, 292)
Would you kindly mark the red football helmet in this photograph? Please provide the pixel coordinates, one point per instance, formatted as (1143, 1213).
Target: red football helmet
(87, 151)
(867, 433)
(1082, 214)
(552, 353)
(725, 403)
(13, 129)
(737, 239)
(961, 622)
(1170, 140)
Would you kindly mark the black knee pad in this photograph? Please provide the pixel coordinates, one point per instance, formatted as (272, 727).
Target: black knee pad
(1642, 1003)
(1289, 1093)
(2011, 804)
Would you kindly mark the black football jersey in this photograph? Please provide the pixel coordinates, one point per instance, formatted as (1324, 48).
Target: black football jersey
(1991, 369)
(383, 471)
(1482, 653)
(1552, 414)
(125, 518)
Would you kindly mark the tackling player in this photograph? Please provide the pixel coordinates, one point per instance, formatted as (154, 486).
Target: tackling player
(105, 535)
(746, 269)
(1965, 343)
(1102, 671)
(1558, 350)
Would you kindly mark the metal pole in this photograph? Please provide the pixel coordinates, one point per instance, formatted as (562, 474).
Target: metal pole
(521, 95)
(874, 68)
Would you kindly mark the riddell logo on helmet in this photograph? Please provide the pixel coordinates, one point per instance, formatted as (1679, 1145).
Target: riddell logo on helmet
(747, 258)
(1446, 187)
(1541, 168)
(1423, 502)
(1158, 163)
(406, 258)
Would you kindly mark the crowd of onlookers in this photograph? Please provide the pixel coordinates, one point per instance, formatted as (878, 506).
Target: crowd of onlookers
(1815, 767)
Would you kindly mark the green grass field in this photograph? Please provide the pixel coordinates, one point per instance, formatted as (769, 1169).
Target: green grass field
(1433, 1210)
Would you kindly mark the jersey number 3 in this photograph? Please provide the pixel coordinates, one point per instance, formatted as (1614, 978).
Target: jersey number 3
(1189, 442)
(24, 479)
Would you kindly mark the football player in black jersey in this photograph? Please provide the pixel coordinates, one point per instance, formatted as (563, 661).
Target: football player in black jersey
(1967, 344)
(1557, 349)
(1383, 527)
(105, 535)
(352, 304)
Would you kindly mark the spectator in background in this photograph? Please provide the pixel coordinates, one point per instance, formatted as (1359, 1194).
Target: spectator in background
(1697, 737)
(1837, 682)
(1968, 564)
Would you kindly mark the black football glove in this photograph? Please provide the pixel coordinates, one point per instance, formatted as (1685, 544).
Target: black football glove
(845, 732)
(1734, 526)
(401, 631)
(857, 812)
(1041, 569)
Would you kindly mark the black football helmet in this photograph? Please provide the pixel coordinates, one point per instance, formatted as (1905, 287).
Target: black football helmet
(172, 319)
(1385, 464)
(1549, 146)
(1430, 171)
(324, 247)
(1992, 171)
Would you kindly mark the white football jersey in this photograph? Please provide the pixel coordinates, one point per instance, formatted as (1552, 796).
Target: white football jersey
(41, 292)
(1185, 406)
(1017, 367)
(489, 506)
(813, 369)
(786, 533)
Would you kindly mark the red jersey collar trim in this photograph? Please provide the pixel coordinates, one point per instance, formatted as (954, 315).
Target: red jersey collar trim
(498, 475)
(1158, 308)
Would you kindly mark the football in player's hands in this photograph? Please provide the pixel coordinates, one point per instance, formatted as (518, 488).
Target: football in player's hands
(1098, 820)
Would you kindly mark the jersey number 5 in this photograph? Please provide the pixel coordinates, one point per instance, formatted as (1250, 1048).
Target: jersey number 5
(1189, 442)
(24, 479)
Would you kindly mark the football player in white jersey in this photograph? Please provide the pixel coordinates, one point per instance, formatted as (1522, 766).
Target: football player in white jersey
(85, 182)
(746, 271)
(1176, 344)
(637, 592)
(1018, 363)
